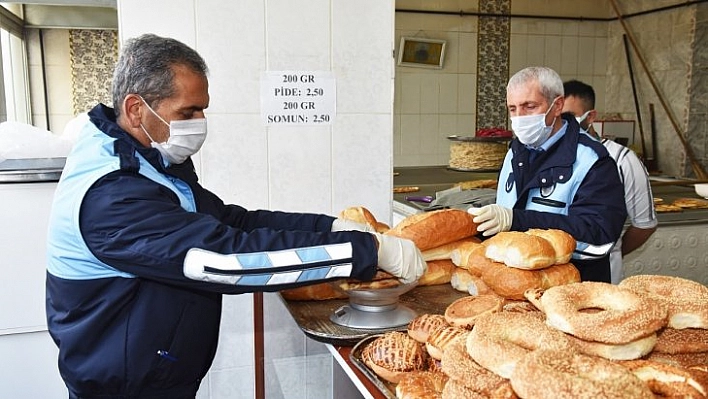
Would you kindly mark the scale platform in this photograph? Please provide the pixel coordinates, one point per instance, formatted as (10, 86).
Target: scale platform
(374, 309)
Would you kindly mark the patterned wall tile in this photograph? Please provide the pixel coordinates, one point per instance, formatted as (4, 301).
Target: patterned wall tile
(93, 56)
(493, 63)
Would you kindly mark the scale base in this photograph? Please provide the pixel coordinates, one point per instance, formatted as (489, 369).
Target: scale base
(373, 317)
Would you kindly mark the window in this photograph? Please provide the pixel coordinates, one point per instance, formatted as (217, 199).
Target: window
(14, 97)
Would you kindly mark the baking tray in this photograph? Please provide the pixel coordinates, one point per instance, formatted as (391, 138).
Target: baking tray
(313, 316)
(386, 388)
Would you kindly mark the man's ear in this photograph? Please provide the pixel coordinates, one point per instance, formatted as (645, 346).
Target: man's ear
(559, 104)
(132, 110)
(592, 116)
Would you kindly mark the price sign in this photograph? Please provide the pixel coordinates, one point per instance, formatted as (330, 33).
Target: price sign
(298, 98)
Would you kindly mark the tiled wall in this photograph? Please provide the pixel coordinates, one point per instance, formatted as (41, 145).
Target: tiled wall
(431, 105)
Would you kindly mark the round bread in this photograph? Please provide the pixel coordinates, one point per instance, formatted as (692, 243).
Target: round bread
(685, 360)
(520, 250)
(686, 340)
(629, 351)
(511, 283)
(464, 311)
(464, 281)
(563, 374)
(521, 307)
(438, 272)
(440, 338)
(421, 384)
(456, 390)
(602, 312)
(459, 366)
(666, 381)
(394, 354)
(533, 295)
(435, 228)
(420, 327)
(687, 300)
(316, 292)
(499, 341)
(562, 242)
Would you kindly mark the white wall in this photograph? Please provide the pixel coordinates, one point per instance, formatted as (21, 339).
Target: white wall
(315, 169)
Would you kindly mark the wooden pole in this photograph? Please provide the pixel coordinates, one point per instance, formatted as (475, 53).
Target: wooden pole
(636, 99)
(258, 345)
(695, 165)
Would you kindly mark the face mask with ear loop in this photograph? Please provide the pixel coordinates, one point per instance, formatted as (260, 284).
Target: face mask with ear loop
(186, 137)
(531, 130)
(582, 118)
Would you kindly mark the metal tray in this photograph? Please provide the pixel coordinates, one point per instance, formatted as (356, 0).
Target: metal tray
(387, 388)
(313, 316)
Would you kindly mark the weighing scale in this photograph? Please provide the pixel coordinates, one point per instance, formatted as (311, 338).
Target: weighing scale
(374, 309)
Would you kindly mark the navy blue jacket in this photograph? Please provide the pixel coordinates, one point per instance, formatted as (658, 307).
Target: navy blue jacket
(154, 335)
(597, 212)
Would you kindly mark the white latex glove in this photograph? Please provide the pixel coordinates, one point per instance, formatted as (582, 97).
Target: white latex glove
(348, 225)
(492, 219)
(401, 258)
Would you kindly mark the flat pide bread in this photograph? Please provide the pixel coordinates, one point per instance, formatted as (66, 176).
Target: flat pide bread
(381, 280)
(691, 203)
(667, 208)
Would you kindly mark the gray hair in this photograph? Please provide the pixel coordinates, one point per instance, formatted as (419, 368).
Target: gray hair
(549, 82)
(145, 68)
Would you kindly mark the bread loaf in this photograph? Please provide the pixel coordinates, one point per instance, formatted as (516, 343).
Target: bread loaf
(358, 214)
(463, 280)
(438, 272)
(563, 243)
(381, 280)
(471, 257)
(445, 251)
(314, 292)
(392, 355)
(433, 229)
(510, 282)
(465, 311)
(420, 327)
(520, 250)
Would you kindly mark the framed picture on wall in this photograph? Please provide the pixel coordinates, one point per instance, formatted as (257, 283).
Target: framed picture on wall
(421, 53)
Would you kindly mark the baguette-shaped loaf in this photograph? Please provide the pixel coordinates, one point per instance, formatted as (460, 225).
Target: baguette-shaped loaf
(563, 243)
(445, 251)
(358, 214)
(314, 292)
(433, 229)
(470, 257)
(438, 272)
(510, 282)
(520, 250)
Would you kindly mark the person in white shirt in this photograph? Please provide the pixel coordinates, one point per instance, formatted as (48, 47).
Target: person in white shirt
(580, 101)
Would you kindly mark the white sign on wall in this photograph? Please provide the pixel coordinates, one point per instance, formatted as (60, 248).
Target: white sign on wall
(298, 98)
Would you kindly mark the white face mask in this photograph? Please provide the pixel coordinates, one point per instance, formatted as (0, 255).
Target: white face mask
(186, 138)
(531, 130)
